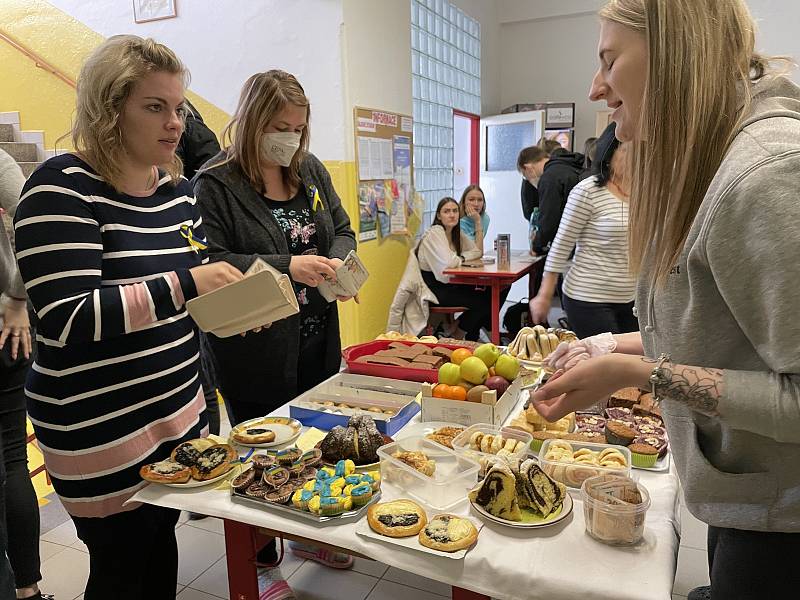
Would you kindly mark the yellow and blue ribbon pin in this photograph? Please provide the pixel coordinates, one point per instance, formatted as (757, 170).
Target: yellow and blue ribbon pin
(314, 193)
(188, 233)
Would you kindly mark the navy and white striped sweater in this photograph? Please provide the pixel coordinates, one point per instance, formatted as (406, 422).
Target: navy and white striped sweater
(115, 382)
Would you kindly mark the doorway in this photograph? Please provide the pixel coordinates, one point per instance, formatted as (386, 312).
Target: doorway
(466, 153)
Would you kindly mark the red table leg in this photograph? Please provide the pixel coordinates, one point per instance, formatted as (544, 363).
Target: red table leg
(462, 594)
(496, 312)
(240, 550)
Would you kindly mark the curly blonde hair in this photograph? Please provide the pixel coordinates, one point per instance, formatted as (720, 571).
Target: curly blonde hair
(104, 84)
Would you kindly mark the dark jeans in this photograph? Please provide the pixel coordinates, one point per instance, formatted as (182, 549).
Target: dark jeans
(753, 565)
(591, 318)
(7, 591)
(132, 555)
(477, 301)
(21, 517)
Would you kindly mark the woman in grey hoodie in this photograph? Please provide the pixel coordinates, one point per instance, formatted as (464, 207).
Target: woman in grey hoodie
(713, 238)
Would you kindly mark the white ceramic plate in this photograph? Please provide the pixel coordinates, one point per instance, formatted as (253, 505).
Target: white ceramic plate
(193, 483)
(286, 430)
(566, 509)
(412, 542)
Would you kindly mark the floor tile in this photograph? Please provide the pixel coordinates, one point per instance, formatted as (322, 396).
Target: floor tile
(79, 597)
(188, 593)
(214, 581)
(417, 581)
(388, 590)
(64, 575)
(678, 597)
(64, 534)
(208, 524)
(312, 581)
(52, 514)
(369, 567)
(693, 531)
(290, 562)
(48, 549)
(692, 570)
(197, 551)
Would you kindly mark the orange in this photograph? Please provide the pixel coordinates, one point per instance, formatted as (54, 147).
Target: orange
(457, 393)
(441, 390)
(459, 355)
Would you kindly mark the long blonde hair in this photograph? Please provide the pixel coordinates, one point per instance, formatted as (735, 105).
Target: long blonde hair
(702, 61)
(263, 96)
(104, 84)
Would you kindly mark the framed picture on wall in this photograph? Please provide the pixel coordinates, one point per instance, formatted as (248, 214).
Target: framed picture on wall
(153, 10)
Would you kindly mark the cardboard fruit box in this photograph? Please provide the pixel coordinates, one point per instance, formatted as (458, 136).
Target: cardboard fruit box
(491, 409)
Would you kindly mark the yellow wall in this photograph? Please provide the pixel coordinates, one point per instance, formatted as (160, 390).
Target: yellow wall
(44, 101)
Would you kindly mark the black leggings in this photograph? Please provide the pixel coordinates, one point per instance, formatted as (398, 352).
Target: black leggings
(21, 507)
(132, 555)
(591, 318)
(479, 303)
(208, 379)
(753, 565)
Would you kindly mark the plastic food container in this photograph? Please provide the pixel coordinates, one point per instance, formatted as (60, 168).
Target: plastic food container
(453, 477)
(614, 509)
(572, 473)
(461, 441)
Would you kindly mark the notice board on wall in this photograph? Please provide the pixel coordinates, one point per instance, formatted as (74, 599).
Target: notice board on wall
(384, 150)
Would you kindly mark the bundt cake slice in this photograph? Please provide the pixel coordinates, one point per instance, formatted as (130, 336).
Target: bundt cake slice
(497, 493)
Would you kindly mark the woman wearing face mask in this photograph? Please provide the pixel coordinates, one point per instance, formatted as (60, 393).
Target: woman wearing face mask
(265, 196)
(474, 218)
(598, 289)
(713, 238)
(110, 245)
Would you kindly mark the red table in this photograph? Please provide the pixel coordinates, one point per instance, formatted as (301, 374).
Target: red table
(495, 278)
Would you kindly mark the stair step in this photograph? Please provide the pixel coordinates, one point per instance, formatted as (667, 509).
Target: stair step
(6, 132)
(20, 151)
(28, 167)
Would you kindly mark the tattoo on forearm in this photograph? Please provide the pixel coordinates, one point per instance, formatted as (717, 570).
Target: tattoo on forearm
(699, 388)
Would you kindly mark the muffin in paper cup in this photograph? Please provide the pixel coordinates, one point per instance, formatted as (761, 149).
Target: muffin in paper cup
(643, 455)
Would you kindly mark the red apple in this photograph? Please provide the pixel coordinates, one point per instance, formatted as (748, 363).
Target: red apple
(497, 383)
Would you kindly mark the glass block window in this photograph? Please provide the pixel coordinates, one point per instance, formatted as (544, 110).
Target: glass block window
(446, 75)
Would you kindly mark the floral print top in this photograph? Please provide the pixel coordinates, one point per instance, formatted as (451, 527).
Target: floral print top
(295, 218)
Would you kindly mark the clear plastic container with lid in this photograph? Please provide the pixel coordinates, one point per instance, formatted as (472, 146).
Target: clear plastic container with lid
(614, 509)
(493, 442)
(572, 462)
(453, 476)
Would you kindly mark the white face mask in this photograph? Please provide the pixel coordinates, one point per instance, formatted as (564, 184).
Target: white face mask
(280, 147)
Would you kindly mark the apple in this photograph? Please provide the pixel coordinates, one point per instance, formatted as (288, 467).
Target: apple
(507, 366)
(488, 353)
(498, 384)
(449, 374)
(474, 370)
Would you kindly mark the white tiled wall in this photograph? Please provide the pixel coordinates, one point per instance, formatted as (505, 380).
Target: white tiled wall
(446, 75)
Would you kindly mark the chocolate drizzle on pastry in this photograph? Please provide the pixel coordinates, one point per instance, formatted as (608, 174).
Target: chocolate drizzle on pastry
(359, 442)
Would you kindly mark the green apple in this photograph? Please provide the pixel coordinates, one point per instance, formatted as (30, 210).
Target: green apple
(474, 370)
(507, 366)
(449, 374)
(488, 353)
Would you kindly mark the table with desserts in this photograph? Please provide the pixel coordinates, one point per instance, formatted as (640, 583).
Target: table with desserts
(557, 562)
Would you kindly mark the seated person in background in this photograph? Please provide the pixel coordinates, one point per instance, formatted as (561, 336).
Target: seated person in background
(598, 289)
(444, 246)
(474, 220)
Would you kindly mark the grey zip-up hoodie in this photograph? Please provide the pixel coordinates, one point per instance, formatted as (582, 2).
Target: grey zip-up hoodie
(11, 182)
(732, 303)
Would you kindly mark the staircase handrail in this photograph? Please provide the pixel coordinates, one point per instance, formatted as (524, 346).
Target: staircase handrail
(37, 59)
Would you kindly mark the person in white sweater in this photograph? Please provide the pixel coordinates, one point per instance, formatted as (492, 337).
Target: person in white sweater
(598, 289)
(445, 246)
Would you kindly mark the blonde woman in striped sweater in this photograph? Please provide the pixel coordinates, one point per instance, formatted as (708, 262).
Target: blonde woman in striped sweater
(110, 246)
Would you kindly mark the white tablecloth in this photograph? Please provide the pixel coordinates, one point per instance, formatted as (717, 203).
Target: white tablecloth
(557, 563)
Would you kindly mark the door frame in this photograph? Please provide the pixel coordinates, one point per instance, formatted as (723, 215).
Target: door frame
(475, 137)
